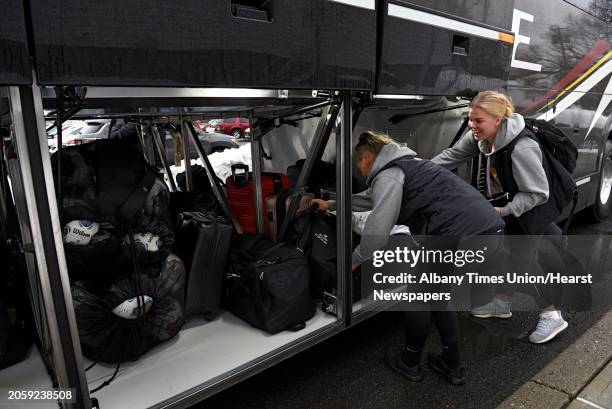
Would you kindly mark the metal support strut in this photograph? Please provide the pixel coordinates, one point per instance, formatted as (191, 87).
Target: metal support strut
(28, 120)
(344, 213)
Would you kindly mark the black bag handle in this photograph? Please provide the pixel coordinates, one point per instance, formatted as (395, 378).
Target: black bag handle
(236, 177)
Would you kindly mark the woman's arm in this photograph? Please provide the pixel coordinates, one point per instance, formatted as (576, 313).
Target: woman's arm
(465, 148)
(387, 191)
(360, 202)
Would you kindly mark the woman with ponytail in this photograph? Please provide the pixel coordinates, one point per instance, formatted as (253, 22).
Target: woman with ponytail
(512, 175)
(431, 201)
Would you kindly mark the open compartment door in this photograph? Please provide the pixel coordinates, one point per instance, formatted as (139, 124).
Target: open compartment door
(14, 60)
(283, 44)
(427, 52)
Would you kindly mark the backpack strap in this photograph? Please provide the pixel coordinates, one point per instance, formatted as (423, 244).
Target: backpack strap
(568, 221)
(503, 158)
(460, 132)
(132, 206)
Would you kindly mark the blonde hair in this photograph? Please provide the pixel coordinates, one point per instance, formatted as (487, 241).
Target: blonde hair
(372, 142)
(494, 103)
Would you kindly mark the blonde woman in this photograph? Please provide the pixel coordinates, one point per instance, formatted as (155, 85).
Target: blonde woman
(430, 200)
(511, 165)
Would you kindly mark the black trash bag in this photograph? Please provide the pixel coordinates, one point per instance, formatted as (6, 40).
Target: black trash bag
(106, 337)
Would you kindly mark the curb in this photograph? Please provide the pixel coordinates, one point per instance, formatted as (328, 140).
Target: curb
(581, 376)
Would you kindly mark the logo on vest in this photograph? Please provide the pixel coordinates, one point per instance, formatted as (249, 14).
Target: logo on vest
(322, 238)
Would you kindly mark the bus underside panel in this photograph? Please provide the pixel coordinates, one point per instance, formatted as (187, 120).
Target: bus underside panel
(308, 44)
(424, 52)
(14, 59)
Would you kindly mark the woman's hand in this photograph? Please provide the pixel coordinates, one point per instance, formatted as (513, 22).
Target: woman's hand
(322, 204)
(498, 210)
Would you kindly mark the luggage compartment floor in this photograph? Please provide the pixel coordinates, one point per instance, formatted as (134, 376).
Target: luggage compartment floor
(27, 375)
(201, 352)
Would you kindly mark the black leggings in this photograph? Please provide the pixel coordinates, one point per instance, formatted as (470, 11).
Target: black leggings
(417, 324)
(544, 255)
(418, 327)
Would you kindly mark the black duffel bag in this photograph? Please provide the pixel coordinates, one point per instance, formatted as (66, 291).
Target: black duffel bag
(267, 285)
(314, 233)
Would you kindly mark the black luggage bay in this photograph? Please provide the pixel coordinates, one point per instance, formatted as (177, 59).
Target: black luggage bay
(285, 44)
(203, 242)
(15, 66)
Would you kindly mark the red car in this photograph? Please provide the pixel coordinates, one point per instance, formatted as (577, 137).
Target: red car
(233, 126)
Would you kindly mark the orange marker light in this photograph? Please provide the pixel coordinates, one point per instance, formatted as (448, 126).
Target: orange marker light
(506, 38)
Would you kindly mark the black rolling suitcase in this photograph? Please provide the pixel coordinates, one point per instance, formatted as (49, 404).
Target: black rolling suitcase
(203, 242)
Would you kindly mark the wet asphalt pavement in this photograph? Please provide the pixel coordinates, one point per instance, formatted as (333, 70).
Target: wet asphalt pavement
(347, 371)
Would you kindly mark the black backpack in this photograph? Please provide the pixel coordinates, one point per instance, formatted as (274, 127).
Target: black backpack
(267, 285)
(562, 187)
(555, 142)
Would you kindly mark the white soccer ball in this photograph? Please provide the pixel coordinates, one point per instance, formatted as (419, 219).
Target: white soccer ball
(129, 310)
(144, 241)
(80, 232)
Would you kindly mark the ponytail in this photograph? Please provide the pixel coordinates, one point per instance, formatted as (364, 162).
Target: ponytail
(372, 142)
(494, 103)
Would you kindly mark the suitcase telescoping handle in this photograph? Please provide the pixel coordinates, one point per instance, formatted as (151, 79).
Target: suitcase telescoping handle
(240, 179)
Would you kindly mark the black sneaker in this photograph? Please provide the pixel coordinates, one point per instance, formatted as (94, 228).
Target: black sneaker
(454, 376)
(393, 359)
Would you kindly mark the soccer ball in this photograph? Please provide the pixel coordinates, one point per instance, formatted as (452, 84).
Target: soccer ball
(129, 310)
(80, 232)
(144, 241)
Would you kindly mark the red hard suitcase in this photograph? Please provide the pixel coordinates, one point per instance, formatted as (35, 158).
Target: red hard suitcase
(240, 189)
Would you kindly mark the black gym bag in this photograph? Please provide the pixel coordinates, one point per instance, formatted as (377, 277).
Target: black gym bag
(268, 285)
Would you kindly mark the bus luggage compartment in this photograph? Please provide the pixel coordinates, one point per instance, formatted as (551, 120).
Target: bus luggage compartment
(426, 52)
(308, 44)
(14, 59)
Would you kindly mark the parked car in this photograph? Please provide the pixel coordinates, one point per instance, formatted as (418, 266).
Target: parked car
(233, 126)
(211, 142)
(98, 129)
(68, 132)
(211, 125)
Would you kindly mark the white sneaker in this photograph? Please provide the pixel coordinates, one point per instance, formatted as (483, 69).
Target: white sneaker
(550, 325)
(497, 308)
